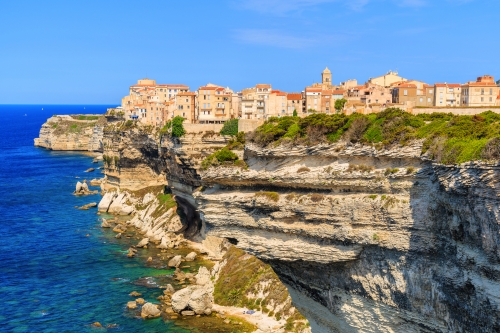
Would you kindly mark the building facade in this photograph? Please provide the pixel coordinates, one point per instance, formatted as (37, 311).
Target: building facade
(482, 92)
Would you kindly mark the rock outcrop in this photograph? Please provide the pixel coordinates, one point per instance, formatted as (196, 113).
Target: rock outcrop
(198, 298)
(75, 133)
(365, 239)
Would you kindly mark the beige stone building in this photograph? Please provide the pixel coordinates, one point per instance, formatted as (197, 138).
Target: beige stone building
(447, 94)
(256, 103)
(166, 92)
(482, 92)
(387, 79)
(294, 101)
(277, 103)
(215, 104)
(150, 102)
(185, 103)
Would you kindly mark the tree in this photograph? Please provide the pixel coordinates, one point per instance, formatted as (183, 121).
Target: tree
(230, 127)
(177, 128)
(295, 113)
(339, 104)
(498, 83)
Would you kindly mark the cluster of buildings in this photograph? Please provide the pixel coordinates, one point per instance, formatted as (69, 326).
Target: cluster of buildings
(155, 104)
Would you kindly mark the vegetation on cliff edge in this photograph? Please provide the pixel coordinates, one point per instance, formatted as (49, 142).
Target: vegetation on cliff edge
(244, 278)
(230, 127)
(447, 138)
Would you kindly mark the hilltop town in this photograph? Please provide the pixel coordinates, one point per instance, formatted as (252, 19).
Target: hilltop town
(155, 104)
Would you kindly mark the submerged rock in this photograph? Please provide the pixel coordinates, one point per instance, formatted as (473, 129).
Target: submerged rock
(105, 224)
(90, 170)
(135, 294)
(87, 206)
(132, 305)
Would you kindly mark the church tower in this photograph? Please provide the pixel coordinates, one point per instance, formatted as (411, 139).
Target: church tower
(326, 77)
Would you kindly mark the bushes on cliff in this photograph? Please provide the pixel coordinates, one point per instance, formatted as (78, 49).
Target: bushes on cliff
(221, 156)
(174, 127)
(230, 127)
(447, 138)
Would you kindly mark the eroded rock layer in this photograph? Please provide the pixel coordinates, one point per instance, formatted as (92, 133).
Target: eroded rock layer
(367, 240)
(72, 133)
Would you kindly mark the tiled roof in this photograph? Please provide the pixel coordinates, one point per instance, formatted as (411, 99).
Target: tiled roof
(339, 92)
(262, 85)
(294, 96)
(314, 89)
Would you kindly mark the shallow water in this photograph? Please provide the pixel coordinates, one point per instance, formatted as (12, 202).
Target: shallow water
(59, 271)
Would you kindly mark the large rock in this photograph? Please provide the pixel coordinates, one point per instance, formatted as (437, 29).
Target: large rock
(175, 261)
(143, 242)
(180, 298)
(106, 201)
(198, 298)
(150, 310)
(191, 256)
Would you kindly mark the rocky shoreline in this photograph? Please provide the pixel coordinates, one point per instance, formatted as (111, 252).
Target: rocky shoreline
(155, 235)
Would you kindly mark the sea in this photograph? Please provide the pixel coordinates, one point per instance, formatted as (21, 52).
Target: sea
(59, 271)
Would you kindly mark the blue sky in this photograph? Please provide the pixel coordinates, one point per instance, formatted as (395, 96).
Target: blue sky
(89, 52)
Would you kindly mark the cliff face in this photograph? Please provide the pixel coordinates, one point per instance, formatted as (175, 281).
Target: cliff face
(367, 240)
(72, 133)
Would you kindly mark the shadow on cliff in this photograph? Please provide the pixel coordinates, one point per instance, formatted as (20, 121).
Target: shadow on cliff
(449, 267)
(190, 218)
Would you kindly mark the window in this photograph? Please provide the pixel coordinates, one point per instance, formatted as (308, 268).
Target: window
(491, 92)
(428, 100)
(482, 92)
(208, 104)
(482, 99)
(431, 91)
(187, 100)
(421, 99)
(491, 99)
(405, 92)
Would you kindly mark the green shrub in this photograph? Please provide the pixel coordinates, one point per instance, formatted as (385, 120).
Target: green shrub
(410, 170)
(177, 128)
(447, 138)
(230, 127)
(220, 156)
(274, 196)
(373, 196)
(294, 113)
(390, 171)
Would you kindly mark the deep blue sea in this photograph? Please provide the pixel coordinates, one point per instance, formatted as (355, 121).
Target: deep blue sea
(59, 271)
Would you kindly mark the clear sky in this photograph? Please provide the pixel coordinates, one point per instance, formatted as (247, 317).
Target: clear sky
(90, 52)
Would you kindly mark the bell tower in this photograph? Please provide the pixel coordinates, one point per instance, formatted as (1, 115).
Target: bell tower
(326, 77)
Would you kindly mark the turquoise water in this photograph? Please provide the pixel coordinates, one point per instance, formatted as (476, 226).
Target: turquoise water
(59, 271)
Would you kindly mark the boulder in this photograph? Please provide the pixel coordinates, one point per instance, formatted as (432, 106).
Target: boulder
(203, 276)
(201, 300)
(150, 310)
(131, 305)
(135, 294)
(78, 187)
(164, 243)
(169, 289)
(87, 206)
(144, 242)
(131, 252)
(191, 256)
(187, 313)
(90, 170)
(150, 259)
(105, 224)
(118, 235)
(175, 261)
(180, 299)
(140, 301)
(106, 201)
(119, 229)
